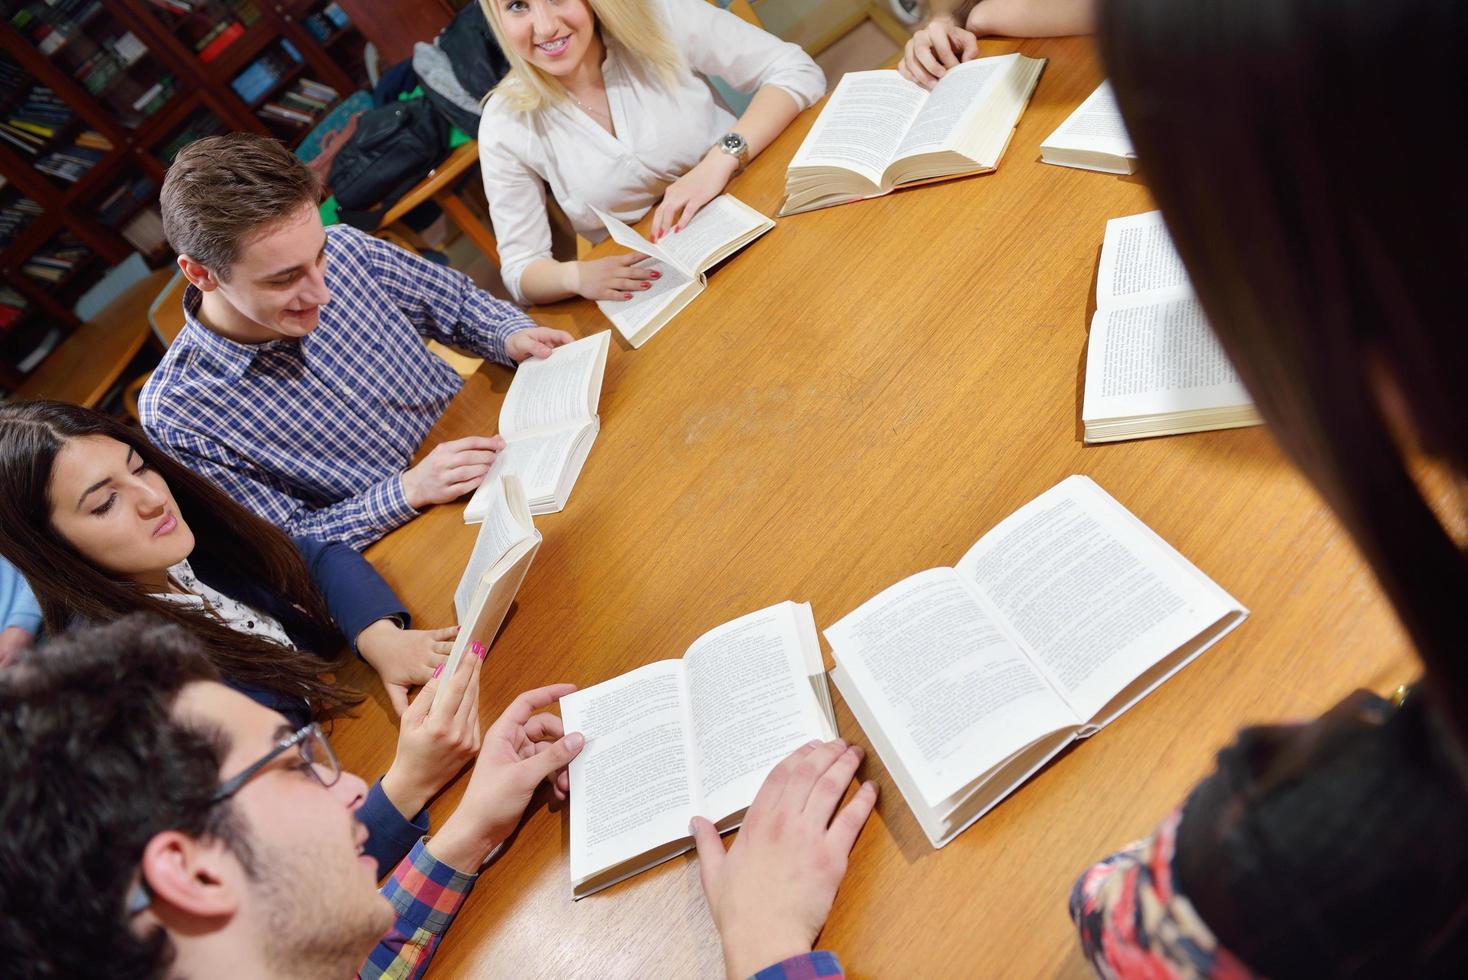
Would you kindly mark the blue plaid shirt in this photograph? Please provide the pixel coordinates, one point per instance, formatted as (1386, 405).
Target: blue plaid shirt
(314, 434)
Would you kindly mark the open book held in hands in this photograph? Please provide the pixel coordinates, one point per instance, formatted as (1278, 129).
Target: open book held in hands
(722, 227)
(503, 551)
(1094, 137)
(693, 737)
(878, 131)
(969, 679)
(548, 421)
(1153, 365)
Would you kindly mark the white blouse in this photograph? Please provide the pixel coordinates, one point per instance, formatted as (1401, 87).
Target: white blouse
(234, 614)
(662, 132)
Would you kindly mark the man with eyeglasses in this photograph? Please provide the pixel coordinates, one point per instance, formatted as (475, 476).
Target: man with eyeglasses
(159, 824)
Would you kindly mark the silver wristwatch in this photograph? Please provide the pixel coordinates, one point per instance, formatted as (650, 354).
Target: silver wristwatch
(734, 145)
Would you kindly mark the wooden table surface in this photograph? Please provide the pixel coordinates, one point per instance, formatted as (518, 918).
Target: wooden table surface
(860, 395)
(90, 361)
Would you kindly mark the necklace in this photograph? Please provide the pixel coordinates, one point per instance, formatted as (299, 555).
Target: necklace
(594, 113)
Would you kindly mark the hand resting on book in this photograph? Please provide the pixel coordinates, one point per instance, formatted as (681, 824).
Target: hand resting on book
(404, 659)
(450, 470)
(771, 892)
(613, 277)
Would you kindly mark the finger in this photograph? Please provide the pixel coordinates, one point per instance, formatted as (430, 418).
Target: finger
(929, 64)
(638, 273)
(968, 44)
(631, 285)
(453, 697)
(803, 777)
(463, 717)
(468, 471)
(852, 818)
(607, 292)
(398, 695)
(660, 219)
(454, 491)
(675, 217)
(555, 755)
(773, 788)
(627, 261)
(942, 48)
(544, 728)
(690, 211)
(826, 794)
(562, 784)
(472, 457)
(711, 852)
(444, 633)
(904, 66)
(441, 650)
(492, 443)
(419, 708)
(528, 703)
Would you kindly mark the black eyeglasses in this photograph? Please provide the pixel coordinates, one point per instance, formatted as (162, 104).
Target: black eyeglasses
(315, 751)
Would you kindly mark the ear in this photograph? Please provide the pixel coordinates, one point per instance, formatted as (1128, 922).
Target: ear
(201, 879)
(202, 278)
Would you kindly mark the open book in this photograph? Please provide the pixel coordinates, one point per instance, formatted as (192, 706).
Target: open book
(548, 421)
(1093, 137)
(722, 227)
(968, 679)
(693, 737)
(505, 547)
(1153, 365)
(878, 131)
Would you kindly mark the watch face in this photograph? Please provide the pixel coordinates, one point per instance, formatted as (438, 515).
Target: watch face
(733, 142)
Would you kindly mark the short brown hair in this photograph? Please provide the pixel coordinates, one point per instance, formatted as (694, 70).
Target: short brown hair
(221, 189)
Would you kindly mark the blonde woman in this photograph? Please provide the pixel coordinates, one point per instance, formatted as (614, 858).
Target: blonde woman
(608, 103)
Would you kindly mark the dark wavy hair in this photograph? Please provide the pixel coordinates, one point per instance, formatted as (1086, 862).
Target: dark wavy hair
(94, 765)
(71, 590)
(1307, 157)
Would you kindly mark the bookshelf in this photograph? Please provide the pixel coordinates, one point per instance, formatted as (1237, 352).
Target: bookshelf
(96, 99)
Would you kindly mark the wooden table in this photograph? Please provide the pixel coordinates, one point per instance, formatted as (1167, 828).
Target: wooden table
(859, 395)
(89, 362)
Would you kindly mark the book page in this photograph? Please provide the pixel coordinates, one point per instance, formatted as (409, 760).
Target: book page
(631, 315)
(500, 531)
(1139, 263)
(536, 462)
(719, 222)
(944, 116)
(862, 124)
(954, 694)
(1094, 598)
(630, 786)
(1150, 360)
(1095, 125)
(750, 703)
(556, 391)
(628, 237)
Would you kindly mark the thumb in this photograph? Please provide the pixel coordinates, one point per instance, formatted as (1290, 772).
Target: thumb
(398, 695)
(541, 350)
(710, 852)
(542, 765)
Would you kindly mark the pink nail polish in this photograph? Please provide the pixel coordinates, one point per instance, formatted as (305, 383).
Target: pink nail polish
(647, 285)
(626, 295)
(439, 669)
(657, 275)
(479, 649)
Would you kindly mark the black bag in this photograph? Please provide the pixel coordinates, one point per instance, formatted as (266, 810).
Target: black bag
(394, 147)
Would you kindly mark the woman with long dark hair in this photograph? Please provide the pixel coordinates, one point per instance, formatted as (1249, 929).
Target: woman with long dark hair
(103, 525)
(1306, 155)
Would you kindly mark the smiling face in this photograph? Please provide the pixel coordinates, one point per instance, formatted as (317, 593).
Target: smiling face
(276, 287)
(311, 894)
(553, 35)
(116, 511)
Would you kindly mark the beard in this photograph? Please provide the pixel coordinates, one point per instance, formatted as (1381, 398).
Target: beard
(318, 916)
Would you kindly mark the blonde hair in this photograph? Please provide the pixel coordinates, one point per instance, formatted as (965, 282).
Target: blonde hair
(634, 24)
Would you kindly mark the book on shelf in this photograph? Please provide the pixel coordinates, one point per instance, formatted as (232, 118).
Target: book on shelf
(504, 549)
(282, 113)
(1153, 365)
(879, 132)
(1094, 137)
(697, 736)
(549, 422)
(69, 164)
(93, 140)
(334, 13)
(13, 306)
(219, 40)
(144, 231)
(723, 226)
(968, 679)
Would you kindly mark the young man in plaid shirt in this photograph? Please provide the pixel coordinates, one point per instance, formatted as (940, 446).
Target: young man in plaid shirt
(159, 824)
(301, 383)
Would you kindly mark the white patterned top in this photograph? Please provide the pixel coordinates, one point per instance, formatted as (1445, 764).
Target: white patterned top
(231, 612)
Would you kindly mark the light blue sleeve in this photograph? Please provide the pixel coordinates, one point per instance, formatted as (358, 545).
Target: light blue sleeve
(17, 604)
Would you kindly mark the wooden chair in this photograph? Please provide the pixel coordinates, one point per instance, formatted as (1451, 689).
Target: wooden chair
(438, 187)
(166, 319)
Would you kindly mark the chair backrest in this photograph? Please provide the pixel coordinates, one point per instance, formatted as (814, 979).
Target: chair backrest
(166, 315)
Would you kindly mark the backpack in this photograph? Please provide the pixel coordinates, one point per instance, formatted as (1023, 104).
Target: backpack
(394, 147)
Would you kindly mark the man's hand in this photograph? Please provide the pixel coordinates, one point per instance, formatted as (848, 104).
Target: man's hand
(13, 642)
(436, 740)
(452, 469)
(521, 750)
(688, 194)
(771, 893)
(535, 342)
(935, 48)
(403, 658)
(614, 277)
